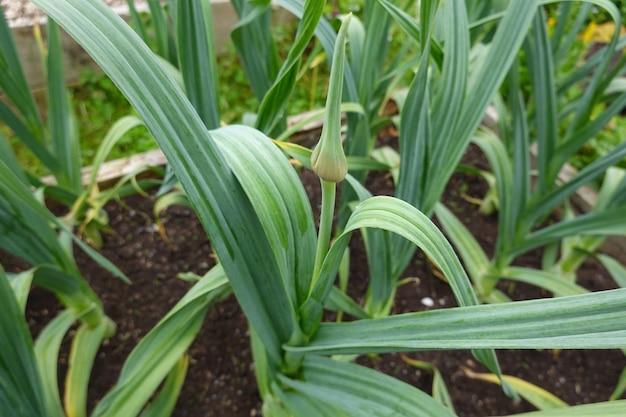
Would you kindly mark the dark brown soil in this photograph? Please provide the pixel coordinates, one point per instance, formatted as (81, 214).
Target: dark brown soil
(221, 381)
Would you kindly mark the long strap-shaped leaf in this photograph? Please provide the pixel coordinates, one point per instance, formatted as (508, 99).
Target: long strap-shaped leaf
(226, 213)
(475, 259)
(17, 202)
(61, 120)
(47, 348)
(359, 391)
(280, 202)
(604, 409)
(608, 222)
(85, 345)
(13, 81)
(588, 321)
(399, 217)
(275, 101)
(196, 51)
(541, 70)
(21, 390)
(255, 46)
(416, 132)
(483, 83)
(164, 403)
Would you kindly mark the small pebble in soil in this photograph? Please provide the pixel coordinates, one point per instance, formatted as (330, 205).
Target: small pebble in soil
(428, 302)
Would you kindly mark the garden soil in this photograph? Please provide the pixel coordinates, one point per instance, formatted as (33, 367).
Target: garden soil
(220, 380)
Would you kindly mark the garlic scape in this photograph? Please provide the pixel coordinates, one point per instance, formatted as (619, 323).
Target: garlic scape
(328, 159)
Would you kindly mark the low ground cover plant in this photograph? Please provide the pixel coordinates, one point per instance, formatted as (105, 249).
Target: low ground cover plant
(280, 267)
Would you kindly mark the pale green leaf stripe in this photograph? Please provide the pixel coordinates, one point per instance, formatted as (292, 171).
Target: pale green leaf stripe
(10, 160)
(298, 404)
(474, 258)
(608, 222)
(196, 50)
(255, 46)
(164, 403)
(541, 70)
(483, 83)
(338, 300)
(47, 348)
(223, 208)
(502, 167)
(615, 268)
(113, 135)
(61, 121)
(21, 390)
(543, 279)
(20, 283)
(85, 345)
(360, 391)
(410, 26)
(588, 321)
(396, 216)
(604, 409)
(161, 29)
(539, 397)
(280, 202)
(620, 387)
(450, 89)
(14, 84)
(275, 101)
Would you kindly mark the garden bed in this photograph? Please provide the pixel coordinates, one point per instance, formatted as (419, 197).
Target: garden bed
(221, 381)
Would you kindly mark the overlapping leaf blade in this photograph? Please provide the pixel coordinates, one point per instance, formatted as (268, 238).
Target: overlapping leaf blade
(588, 321)
(273, 106)
(47, 348)
(604, 409)
(255, 46)
(21, 390)
(357, 390)
(85, 345)
(197, 58)
(61, 121)
(236, 232)
(397, 216)
(26, 230)
(280, 202)
(14, 84)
